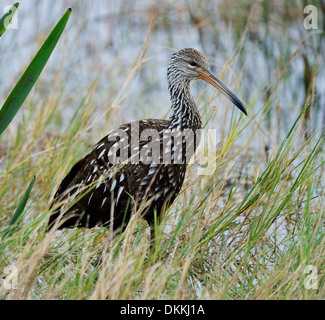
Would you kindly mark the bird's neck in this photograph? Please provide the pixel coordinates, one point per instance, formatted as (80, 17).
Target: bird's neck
(184, 114)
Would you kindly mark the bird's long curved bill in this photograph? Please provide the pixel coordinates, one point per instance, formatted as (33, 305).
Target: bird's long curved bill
(210, 78)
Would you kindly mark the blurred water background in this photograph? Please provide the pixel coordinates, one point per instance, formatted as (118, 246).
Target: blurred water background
(249, 43)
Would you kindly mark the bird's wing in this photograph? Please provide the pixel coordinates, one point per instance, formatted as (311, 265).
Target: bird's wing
(69, 177)
(91, 167)
(104, 179)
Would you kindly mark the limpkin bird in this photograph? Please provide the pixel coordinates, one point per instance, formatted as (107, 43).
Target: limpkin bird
(128, 170)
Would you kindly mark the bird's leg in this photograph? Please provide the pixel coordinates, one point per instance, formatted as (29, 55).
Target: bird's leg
(98, 260)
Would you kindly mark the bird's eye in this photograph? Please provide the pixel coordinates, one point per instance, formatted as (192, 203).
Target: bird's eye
(193, 63)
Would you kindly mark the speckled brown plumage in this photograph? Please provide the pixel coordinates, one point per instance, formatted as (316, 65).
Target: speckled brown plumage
(121, 174)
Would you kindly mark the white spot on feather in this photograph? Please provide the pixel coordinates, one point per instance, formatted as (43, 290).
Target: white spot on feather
(90, 198)
(166, 189)
(152, 171)
(143, 183)
(118, 194)
(101, 154)
(103, 202)
(113, 185)
(153, 164)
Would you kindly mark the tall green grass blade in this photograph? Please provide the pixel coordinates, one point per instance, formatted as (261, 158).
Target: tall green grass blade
(28, 79)
(7, 17)
(22, 204)
(18, 213)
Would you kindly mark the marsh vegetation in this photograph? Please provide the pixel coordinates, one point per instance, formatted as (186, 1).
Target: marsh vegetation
(251, 230)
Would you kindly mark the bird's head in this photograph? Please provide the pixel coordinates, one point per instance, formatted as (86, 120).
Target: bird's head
(189, 64)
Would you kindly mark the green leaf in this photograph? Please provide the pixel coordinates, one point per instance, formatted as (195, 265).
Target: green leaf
(22, 204)
(17, 214)
(7, 17)
(28, 79)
